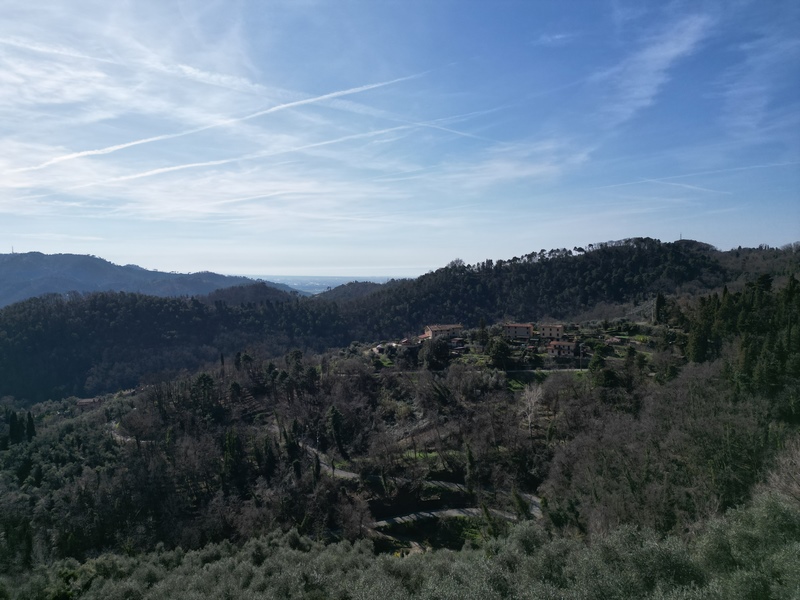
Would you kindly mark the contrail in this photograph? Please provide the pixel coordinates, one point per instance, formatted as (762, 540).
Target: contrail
(256, 155)
(685, 185)
(33, 47)
(715, 171)
(168, 136)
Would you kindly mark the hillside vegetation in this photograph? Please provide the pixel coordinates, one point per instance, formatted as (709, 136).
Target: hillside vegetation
(266, 454)
(52, 347)
(748, 553)
(556, 284)
(640, 474)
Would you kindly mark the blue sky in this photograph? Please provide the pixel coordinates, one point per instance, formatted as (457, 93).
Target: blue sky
(389, 137)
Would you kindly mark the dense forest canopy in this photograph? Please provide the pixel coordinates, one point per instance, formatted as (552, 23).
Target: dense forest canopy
(558, 284)
(53, 347)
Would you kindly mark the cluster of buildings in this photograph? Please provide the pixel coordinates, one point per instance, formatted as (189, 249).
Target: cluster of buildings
(552, 336)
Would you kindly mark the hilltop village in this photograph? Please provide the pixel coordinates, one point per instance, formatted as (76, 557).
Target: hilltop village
(519, 346)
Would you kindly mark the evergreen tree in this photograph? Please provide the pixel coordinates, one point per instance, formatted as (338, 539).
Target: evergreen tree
(30, 429)
(16, 429)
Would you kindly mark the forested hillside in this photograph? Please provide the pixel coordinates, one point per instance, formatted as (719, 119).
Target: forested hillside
(53, 347)
(557, 284)
(634, 466)
(682, 451)
(349, 291)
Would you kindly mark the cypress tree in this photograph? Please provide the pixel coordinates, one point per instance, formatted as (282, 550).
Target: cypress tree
(659, 308)
(30, 428)
(16, 429)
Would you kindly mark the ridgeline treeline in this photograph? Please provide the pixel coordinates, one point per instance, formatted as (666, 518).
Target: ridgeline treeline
(57, 346)
(556, 284)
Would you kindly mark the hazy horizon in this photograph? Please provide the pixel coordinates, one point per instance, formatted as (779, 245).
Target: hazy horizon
(345, 274)
(393, 137)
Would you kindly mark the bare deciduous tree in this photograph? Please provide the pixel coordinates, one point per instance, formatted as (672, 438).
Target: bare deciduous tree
(530, 400)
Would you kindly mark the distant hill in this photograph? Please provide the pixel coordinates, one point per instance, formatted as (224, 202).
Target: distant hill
(252, 293)
(34, 274)
(350, 291)
(313, 285)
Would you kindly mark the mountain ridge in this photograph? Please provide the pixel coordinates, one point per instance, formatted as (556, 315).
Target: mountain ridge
(31, 274)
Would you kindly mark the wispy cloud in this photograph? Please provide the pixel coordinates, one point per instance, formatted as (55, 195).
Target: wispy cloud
(141, 59)
(61, 237)
(503, 164)
(749, 88)
(624, 12)
(57, 50)
(554, 39)
(634, 84)
(223, 123)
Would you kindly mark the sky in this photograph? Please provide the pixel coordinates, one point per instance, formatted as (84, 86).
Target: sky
(390, 137)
